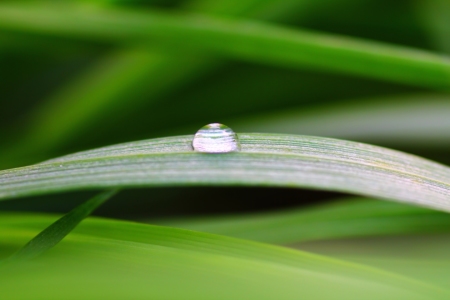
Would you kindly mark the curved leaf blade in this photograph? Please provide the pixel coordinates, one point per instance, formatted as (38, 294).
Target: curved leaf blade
(114, 82)
(98, 251)
(53, 234)
(419, 120)
(248, 40)
(347, 218)
(265, 160)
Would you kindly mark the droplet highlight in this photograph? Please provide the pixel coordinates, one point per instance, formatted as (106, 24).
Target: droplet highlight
(216, 138)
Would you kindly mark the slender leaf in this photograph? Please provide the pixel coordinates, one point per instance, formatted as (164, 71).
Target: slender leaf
(344, 219)
(265, 160)
(423, 257)
(202, 266)
(419, 120)
(52, 235)
(116, 84)
(435, 15)
(105, 88)
(246, 40)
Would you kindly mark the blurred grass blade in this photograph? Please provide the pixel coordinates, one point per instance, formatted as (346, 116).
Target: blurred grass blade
(200, 264)
(247, 40)
(52, 235)
(422, 256)
(265, 160)
(105, 85)
(118, 84)
(104, 89)
(355, 217)
(435, 15)
(420, 120)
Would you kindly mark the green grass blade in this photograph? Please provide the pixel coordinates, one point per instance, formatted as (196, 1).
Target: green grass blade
(423, 257)
(105, 89)
(52, 235)
(116, 84)
(345, 219)
(155, 258)
(246, 40)
(265, 160)
(420, 120)
(108, 83)
(435, 15)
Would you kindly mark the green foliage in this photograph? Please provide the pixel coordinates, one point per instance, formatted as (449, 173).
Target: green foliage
(242, 39)
(53, 234)
(349, 218)
(155, 259)
(267, 160)
(78, 75)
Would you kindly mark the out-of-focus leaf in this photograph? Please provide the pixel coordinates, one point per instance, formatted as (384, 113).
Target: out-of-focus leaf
(247, 40)
(420, 120)
(119, 76)
(149, 261)
(344, 219)
(121, 81)
(435, 15)
(53, 234)
(423, 257)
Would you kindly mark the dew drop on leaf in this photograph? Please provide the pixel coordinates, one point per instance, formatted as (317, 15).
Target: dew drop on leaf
(216, 138)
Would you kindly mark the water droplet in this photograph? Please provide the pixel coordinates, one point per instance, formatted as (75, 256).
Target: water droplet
(216, 138)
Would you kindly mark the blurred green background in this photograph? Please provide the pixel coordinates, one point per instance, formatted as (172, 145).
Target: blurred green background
(61, 94)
